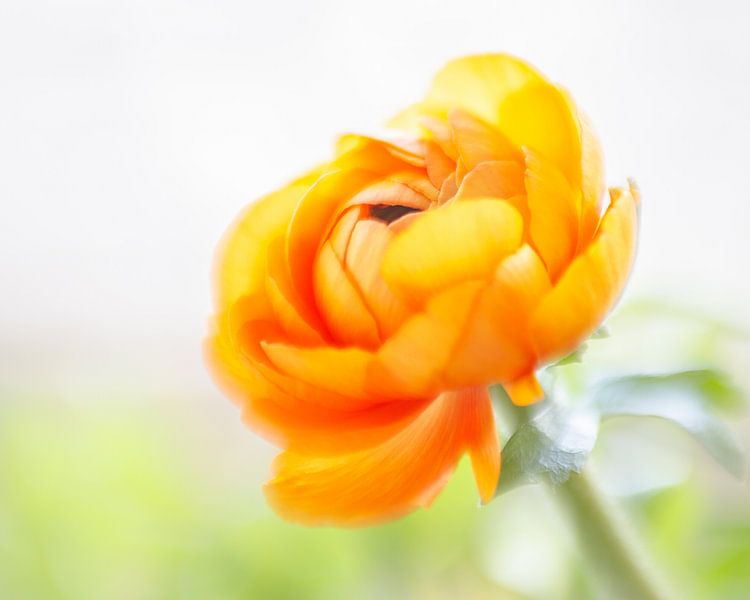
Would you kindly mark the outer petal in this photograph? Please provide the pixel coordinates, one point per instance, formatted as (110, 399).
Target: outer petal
(590, 287)
(541, 117)
(455, 243)
(553, 212)
(241, 259)
(312, 217)
(480, 84)
(403, 473)
(338, 370)
(302, 423)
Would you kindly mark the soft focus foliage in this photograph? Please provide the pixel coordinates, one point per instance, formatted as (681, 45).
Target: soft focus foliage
(143, 499)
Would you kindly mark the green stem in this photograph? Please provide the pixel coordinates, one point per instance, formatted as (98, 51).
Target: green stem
(622, 568)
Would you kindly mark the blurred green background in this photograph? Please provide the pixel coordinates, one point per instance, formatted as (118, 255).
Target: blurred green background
(135, 496)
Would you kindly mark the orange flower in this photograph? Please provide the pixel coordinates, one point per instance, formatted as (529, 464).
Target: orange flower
(363, 309)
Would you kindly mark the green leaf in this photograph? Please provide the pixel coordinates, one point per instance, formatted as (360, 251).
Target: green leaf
(548, 448)
(686, 399)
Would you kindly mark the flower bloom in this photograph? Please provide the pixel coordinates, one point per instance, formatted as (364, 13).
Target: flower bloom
(362, 310)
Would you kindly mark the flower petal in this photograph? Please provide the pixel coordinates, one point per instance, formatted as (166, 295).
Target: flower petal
(540, 117)
(493, 179)
(240, 266)
(494, 343)
(393, 478)
(455, 243)
(478, 141)
(589, 288)
(480, 84)
(340, 301)
(308, 227)
(412, 362)
(553, 208)
(339, 370)
(364, 256)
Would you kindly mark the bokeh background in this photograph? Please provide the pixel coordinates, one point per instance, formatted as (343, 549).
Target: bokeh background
(131, 133)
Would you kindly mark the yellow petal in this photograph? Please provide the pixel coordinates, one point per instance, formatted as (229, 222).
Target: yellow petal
(588, 290)
(553, 212)
(480, 84)
(593, 181)
(454, 243)
(393, 478)
(540, 117)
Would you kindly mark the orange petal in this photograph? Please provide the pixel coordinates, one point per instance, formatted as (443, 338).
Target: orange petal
(553, 210)
(240, 266)
(455, 243)
(524, 390)
(412, 362)
(300, 321)
(439, 165)
(339, 370)
(302, 422)
(391, 479)
(407, 192)
(409, 150)
(478, 141)
(312, 218)
(588, 290)
(493, 179)
(341, 302)
(494, 344)
(484, 446)
(364, 256)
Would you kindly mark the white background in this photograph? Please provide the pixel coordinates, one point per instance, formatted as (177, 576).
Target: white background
(132, 132)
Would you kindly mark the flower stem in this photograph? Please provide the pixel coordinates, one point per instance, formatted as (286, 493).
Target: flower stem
(621, 567)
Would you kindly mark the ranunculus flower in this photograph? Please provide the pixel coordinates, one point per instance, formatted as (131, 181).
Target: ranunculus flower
(363, 309)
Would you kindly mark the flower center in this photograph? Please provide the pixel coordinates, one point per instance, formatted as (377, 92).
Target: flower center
(388, 213)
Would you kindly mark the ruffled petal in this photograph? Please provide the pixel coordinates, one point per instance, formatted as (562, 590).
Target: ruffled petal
(304, 422)
(393, 478)
(589, 288)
